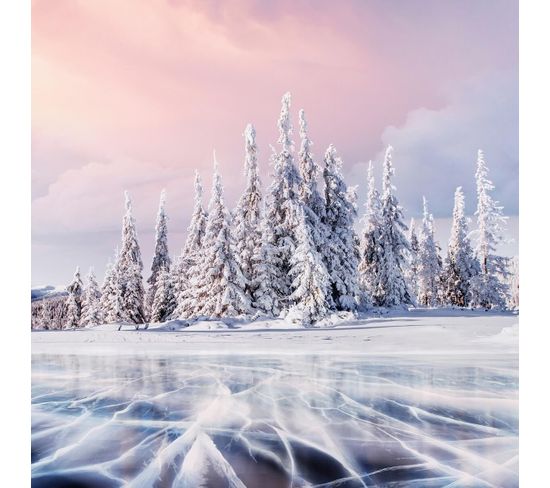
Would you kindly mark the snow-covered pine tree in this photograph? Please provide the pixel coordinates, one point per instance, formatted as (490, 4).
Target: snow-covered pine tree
(108, 292)
(340, 251)
(311, 281)
(74, 301)
(72, 319)
(164, 296)
(218, 290)
(370, 257)
(91, 311)
(118, 311)
(392, 288)
(161, 256)
(246, 231)
(413, 256)
(312, 200)
(460, 263)
(179, 278)
(132, 293)
(283, 208)
(429, 262)
(129, 267)
(488, 287)
(265, 296)
(513, 283)
(186, 272)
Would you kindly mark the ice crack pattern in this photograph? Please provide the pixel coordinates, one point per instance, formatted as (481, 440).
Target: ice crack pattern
(274, 421)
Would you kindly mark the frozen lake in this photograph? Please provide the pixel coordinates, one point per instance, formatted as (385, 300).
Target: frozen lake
(273, 420)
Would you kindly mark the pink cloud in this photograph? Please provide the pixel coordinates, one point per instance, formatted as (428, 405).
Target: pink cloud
(164, 82)
(91, 197)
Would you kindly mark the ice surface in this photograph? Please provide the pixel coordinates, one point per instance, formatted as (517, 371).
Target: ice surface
(151, 420)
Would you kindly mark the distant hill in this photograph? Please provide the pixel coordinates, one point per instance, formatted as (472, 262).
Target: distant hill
(48, 291)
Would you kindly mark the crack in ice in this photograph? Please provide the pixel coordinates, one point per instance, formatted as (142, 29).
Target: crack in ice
(305, 421)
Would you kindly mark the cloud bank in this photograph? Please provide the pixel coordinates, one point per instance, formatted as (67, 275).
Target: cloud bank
(435, 150)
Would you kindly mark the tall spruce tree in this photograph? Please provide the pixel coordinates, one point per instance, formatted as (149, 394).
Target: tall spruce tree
(110, 303)
(161, 256)
(311, 281)
(429, 262)
(488, 288)
(312, 200)
(370, 257)
(91, 310)
(413, 258)
(129, 268)
(340, 249)
(284, 204)
(108, 292)
(105, 302)
(392, 288)
(187, 269)
(513, 283)
(266, 299)
(460, 264)
(163, 300)
(219, 289)
(74, 301)
(246, 226)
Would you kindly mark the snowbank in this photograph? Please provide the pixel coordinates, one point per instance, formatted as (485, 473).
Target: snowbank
(419, 331)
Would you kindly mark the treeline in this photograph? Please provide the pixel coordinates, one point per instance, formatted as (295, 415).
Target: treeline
(294, 250)
(49, 313)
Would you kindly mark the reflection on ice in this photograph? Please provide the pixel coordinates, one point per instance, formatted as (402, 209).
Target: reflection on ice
(273, 422)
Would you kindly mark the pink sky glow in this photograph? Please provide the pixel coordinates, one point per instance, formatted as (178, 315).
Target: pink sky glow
(135, 94)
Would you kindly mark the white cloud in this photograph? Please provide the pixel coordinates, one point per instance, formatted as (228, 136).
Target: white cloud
(435, 150)
(90, 198)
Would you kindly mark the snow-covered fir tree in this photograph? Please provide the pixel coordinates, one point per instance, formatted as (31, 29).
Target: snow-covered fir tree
(340, 251)
(283, 208)
(163, 300)
(429, 262)
(161, 256)
(412, 268)
(392, 288)
(218, 289)
(246, 225)
(187, 269)
(266, 299)
(109, 292)
(74, 301)
(513, 283)
(460, 264)
(72, 320)
(311, 281)
(117, 313)
(129, 268)
(312, 200)
(133, 293)
(91, 310)
(370, 257)
(488, 287)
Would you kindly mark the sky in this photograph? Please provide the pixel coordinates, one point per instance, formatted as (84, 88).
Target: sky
(136, 94)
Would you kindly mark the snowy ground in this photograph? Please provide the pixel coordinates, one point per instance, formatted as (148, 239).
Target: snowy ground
(415, 332)
(418, 399)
